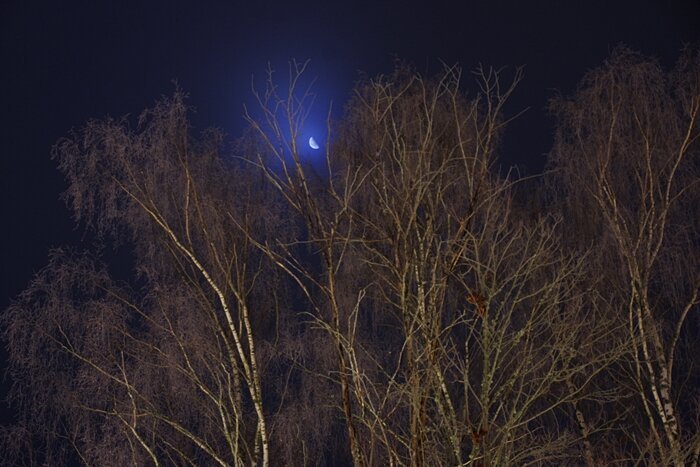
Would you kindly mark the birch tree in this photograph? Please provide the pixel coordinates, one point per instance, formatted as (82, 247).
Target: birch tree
(452, 315)
(626, 154)
(172, 370)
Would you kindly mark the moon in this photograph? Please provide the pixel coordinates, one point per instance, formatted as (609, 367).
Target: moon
(313, 144)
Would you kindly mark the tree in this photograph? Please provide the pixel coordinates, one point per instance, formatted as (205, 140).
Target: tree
(170, 372)
(422, 252)
(626, 154)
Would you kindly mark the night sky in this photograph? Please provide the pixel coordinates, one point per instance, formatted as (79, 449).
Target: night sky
(64, 62)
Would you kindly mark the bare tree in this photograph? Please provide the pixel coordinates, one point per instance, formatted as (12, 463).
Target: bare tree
(173, 371)
(453, 317)
(626, 157)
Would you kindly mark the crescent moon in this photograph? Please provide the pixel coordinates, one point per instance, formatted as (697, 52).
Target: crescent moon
(313, 144)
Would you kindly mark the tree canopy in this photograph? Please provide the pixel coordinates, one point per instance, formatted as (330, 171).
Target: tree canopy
(406, 304)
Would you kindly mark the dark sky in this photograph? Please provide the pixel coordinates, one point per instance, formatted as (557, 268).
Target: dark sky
(64, 62)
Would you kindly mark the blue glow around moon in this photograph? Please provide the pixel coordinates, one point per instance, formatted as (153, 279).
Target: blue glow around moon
(313, 144)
